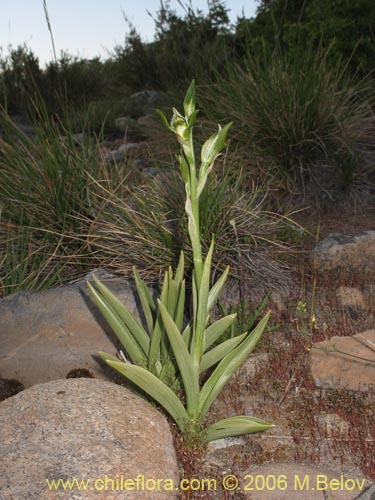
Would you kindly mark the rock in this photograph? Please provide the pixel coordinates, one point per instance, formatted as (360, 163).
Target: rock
(220, 444)
(147, 98)
(45, 335)
(126, 124)
(151, 171)
(21, 123)
(148, 123)
(354, 370)
(277, 442)
(120, 154)
(343, 250)
(254, 363)
(221, 452)
(279, 481)
(85, 429)
(333, 426)
(351, 301)
(368, 494)
(77, 139)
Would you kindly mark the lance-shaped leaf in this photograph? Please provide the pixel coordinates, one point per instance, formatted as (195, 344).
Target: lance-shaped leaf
(215, 144)
(189, 101)
(184, 168)
(147, 303)
(210, 151)
(158, 350)
(212, 147)
(165, 120)
(127, 317)
(107, 357)
(180, 307)
(201, 316)
(228, 366)
(217, 289)
(217, 353)
(180, 271)
(235, 426)
(124, 335)
(152, 386)
(188, 374)
(216, 330)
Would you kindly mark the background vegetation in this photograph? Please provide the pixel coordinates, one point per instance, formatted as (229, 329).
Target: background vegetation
(297, 82)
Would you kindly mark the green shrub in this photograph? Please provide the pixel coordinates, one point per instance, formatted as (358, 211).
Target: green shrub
(28, 261)
(304, 119)
(45, 184)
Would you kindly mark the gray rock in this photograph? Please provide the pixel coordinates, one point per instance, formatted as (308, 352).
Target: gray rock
(147, 123)
(368, 494)
(120, 154)
(352, 368)
(151, 171)
(254, 363)
(219, 444)
(86, 429)
(289, 481)
(45, 335)
(77, 139)
(345, 250)
(147, 97)
(25, 127)
(352, 301)
(126, 123)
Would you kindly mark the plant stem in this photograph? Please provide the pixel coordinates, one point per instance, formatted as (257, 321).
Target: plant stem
(194, 229)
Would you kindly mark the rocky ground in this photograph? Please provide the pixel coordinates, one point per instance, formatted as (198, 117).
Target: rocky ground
(321, 418)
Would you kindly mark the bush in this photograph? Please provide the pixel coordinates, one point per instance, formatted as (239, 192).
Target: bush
(19, 78)
(184, 47)
(306, 120)
(45, 184)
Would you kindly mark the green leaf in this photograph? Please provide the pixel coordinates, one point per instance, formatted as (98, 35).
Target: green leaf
(127, 340)
(107, 357)
(157, 352)
(184, 167)
(217, 289)
(235, 426)
(194, 235)
(132, 323)
(228, 366)
(217, 353)
(180, 271)
(164, 120)
(216, 330)
(152, 386)
(184, 362)
(147, 303)
(214, 145)
(189, 101)
(173, 291)
(180, 307)
(201, 317)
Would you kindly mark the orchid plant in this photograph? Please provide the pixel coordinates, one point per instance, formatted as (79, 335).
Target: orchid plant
(168, 355)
